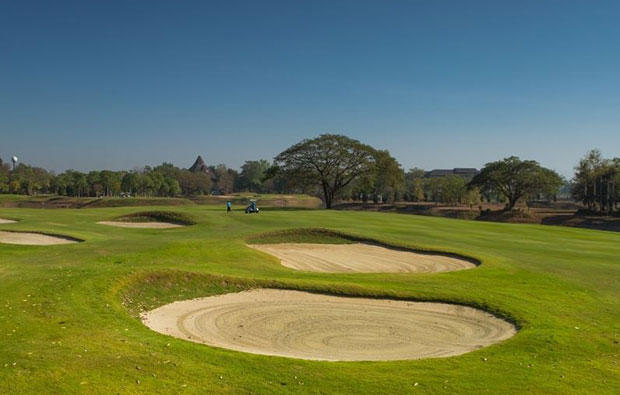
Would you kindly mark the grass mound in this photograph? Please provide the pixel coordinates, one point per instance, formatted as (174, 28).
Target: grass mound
(148, 290)
(328, 236)
(304, 235)
(512, 216)
(135, 202)
(157, 216)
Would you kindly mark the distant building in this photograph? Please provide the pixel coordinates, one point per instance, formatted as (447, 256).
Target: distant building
(465, 172)
(199, 166)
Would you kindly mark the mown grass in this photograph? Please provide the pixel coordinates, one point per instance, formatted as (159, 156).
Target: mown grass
(68, 312)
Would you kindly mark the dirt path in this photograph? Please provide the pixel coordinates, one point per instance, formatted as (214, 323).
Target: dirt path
(322, 327)
(359, 258)
(31, 239)
(152, 225)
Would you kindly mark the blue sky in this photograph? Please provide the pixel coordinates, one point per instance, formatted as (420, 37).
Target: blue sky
(121, 84)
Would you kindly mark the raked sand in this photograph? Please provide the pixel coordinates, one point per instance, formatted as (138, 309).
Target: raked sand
(360, 258)
(26, 238)
(6, 221)
(151, 225)
(333, 328)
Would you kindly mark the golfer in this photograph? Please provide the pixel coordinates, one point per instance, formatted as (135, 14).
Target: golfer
(228, 206)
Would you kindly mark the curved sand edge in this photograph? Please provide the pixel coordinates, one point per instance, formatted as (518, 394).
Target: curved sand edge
(332, 328)
(28, 238)
(7, 221)
(145, 225)
(360, 258)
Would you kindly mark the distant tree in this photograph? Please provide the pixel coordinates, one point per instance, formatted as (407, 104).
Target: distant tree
(26, 179)
(111, 182)
(5, 171)
(80, 183)
(167, 170)
(472, 197)
(253, 174)
(597, 182)
(198, 183)
(130, 182)
(329, 162)
(514, 178)
(453, 189)
(94, 183)
(225, 178)
(172, 186)
(414, 185)
(432, 189)
(388, 176)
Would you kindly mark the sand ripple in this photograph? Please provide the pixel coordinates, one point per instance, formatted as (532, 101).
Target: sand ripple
(321, 327)
(360, 258)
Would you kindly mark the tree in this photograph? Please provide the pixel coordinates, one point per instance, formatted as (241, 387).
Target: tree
(5, 171)
(329, 162)
(414, 185)
(597, 182)
(472, 197)
(197, 183)
(514, 178)
(111, 182)
(225, 178)
(253, 173)
(130, 182)
(389, 176)
(453, 189)
(432, 189)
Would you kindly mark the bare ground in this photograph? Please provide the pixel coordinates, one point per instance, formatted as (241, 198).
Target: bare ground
(333, 328)
(25, 238)
(359, 258)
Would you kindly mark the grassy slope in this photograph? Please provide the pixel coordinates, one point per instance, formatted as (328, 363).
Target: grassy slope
(64, 327)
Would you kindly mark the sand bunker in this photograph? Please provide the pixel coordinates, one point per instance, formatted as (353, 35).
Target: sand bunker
(32, 239)
(152, 225)
(6, 221)
(321, 327)
(360, 258)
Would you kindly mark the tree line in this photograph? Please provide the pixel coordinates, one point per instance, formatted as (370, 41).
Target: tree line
(597, 182)
(336, 168)
(165, 180)
(340, 168)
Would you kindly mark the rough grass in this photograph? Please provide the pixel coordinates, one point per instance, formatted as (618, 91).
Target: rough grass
(68, 324)
(304, 235)
(157, 216)
(135, 202)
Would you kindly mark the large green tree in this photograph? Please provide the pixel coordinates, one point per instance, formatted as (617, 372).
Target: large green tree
(514, 179)
(329, 162)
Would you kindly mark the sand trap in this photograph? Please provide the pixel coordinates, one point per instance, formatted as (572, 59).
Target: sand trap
(321, 327)
(359, 258)
(152, 225)
(6, 221)
(32, 239)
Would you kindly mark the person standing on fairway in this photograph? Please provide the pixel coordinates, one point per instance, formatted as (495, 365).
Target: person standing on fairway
(228, 206)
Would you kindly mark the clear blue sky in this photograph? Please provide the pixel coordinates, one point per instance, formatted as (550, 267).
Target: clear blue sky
(120, 84)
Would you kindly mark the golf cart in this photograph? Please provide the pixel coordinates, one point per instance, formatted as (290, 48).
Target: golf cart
(252, 208)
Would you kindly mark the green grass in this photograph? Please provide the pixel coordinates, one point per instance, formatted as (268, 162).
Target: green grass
(68, 312)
